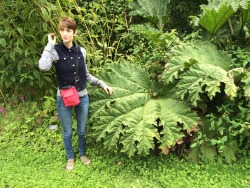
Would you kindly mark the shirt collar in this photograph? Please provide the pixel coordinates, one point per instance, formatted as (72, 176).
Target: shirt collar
(73, 48)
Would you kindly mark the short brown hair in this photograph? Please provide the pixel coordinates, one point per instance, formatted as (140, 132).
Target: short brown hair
(67, 22)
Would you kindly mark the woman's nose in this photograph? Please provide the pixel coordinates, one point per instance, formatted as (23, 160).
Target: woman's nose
(64, 32)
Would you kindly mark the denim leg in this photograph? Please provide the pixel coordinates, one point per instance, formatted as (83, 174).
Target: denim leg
(65, 115)
(81, 117)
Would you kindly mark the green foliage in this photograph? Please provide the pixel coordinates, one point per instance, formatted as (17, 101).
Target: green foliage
(210, 79)
(156, 11)
(225, 129)
(216, 13)
(150, 50)
(23, 119)
(47, 114)
(180, 11)
(34, 166)
(136, 113)
(22, 39)
(240, 58)
(225, 132)
(201, 69)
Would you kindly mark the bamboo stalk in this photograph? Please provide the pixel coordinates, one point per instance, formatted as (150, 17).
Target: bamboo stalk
(230, 26)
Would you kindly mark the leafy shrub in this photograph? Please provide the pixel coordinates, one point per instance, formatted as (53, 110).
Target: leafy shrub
(224, 133)
(205, 77)
(200, 69)
(22, 38)
(139, 117)
(151, 48)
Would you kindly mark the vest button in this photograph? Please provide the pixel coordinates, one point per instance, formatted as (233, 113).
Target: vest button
(71, 58)
(73, 65)
(64, 58)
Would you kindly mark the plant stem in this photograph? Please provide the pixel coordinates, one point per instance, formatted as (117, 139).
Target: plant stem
(230, 26)
(3, 98)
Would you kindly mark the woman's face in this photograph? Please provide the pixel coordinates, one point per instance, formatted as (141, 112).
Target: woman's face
(67, 35)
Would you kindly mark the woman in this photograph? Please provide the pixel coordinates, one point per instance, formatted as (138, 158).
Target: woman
(64, 55)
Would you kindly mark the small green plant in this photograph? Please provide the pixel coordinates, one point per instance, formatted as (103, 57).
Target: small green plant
(47, 115)
(225, 132)
(240, 58)
(24, 119)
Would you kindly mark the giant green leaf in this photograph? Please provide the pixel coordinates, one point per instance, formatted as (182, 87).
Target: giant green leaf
(200, 68)
(155, 11)
(217, 12)
(132, 118)
(215, 15)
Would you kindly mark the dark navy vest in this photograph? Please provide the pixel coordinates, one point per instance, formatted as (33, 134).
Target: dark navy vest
(66, 66)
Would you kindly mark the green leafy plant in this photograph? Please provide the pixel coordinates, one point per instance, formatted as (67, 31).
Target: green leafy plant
(216, 13)
(206, 78)
(22, 40)
(224, 133)
(201, 69)
(151, 47)
(35, 166)
(138, 117)
(23, 118)
(156, 11)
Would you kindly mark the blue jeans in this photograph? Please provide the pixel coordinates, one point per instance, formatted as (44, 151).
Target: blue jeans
(65, 115)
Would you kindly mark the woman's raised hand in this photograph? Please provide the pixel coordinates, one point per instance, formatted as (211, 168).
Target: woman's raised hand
(52, 38)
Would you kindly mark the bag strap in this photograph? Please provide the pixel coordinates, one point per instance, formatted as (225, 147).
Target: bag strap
(76, 77)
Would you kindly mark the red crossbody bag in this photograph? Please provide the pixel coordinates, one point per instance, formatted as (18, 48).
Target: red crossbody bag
(70, 96)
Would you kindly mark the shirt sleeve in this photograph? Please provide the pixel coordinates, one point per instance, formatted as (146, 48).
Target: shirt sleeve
(93, 80)
(90, 78)
(49, 55)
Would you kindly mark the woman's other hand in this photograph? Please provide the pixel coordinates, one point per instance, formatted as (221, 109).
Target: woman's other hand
(108, 90)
